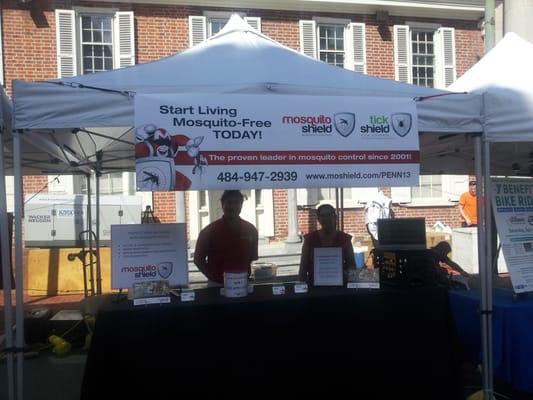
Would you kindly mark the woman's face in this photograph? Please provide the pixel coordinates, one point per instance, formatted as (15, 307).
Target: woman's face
(327, 219)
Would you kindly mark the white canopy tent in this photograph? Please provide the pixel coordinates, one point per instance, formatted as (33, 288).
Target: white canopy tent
(503, 77)
(238, 59)
(90, 117)
(37, 155)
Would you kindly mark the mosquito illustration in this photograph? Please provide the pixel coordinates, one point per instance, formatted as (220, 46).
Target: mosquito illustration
(151, 178)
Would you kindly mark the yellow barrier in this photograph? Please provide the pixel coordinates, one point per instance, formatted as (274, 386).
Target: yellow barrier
(49, 272)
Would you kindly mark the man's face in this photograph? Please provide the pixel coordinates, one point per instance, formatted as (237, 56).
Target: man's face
(232, 206)
(472, 189)
(327, 219)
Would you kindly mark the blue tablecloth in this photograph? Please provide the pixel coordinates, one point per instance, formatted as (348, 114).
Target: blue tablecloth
(512, 330)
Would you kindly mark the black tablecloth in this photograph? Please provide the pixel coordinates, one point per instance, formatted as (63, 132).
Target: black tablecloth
(375, 343)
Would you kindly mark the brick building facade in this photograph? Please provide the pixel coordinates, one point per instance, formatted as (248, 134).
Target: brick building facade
(160, 28)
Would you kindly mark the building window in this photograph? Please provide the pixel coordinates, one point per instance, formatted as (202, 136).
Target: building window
(331, 44)
(424, 54)
(109, 184)
(96, 43)
(328, 194)
(216, 25)
(430, 187)
(423, 57)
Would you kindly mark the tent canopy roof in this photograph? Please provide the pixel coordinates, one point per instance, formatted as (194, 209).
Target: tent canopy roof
(238, 59)
(504, 78)
(39, 154)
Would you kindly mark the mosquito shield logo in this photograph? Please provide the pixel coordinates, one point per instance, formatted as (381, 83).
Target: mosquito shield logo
(401, 123)
(344, 123)
(164, 269)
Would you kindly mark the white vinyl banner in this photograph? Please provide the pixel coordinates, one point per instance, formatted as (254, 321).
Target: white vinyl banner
(274, 141)
(512, 202)
(148, 252)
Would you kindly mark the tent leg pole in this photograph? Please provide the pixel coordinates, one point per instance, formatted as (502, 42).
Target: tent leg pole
(488, 269)
(19, 281)
(90, 233)
(6, 277)
(480, 202)
(98, 265)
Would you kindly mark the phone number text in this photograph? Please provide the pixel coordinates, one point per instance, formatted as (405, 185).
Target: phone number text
(273, 176)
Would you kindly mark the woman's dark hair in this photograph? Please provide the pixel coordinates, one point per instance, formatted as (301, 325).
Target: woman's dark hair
(324, 207)
(442, 248)
(232, 193)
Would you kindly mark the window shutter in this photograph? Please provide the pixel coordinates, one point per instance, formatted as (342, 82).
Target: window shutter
(254, 22)
(308, 38)
(356, 48)
(65, 43)
(400, 194)
(402, 53)
(307, 197)
(125, 39)
(197, 30)
(445, 56)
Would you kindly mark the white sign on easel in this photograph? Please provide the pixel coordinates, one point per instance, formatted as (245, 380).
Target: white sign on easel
(148, 252)
(512, 202)
(327, 266)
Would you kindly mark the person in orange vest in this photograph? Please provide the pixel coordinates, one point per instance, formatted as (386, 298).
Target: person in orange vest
(468, 206)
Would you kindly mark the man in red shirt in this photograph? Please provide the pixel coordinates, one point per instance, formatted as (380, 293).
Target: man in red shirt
(228, 244)
(468, 205)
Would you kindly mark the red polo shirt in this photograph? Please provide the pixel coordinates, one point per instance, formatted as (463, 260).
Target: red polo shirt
(227, 248)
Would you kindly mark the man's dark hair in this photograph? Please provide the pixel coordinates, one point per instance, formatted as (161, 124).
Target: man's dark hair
(324, 207)
(232, 193)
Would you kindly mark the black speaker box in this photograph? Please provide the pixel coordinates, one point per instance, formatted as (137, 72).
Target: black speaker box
(36, 326)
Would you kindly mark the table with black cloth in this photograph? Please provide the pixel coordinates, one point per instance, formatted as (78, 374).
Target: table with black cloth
(338, 341)
(512, 334)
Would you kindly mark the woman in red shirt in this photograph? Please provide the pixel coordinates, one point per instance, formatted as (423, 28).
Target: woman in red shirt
(326, 236)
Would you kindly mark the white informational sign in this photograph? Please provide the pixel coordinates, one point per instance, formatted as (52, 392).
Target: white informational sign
(204, 142)
(327, 266)
(148, 252)
(512, 201)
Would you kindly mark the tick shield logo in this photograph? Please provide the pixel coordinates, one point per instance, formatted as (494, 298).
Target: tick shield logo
(344, 123)
(401, 123)
(164, 269)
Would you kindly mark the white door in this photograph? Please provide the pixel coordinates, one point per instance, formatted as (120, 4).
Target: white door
(215, 207)
(205, 207)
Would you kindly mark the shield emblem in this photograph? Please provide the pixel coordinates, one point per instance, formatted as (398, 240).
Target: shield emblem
(164, 269)
(344, 123)
(401, 123)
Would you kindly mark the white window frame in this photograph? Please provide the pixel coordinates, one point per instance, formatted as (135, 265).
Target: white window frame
(217, 15)
(426, 26)
(332, 21)
(445, 63)
(78, 13)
